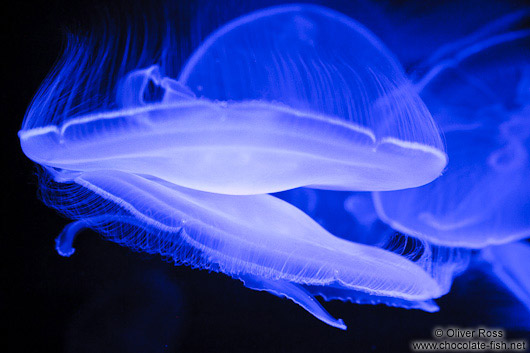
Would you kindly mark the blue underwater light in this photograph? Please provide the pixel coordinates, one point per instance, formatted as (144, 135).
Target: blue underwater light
(290, 151)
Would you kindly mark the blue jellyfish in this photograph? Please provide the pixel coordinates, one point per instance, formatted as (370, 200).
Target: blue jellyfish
(446, 52)
(487, 288)
(289, 96)
(421, 33)
(259, 239)
(480, 97)
(360, 206)
(352, 216)
(284, 97)
(508, 263)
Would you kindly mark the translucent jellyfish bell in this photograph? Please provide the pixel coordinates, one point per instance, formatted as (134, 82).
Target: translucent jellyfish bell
(261, 240)
(481, 99)
(284, 97)
(351, 216)
(148, 161)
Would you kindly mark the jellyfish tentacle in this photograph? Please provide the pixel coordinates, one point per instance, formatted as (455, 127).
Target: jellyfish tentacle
(131, 92)
(65, 240)
(296, 293)
(497, 26)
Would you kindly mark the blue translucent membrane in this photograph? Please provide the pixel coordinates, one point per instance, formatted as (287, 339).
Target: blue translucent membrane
(284, 97)
(421, 36)
(481, 99)
(509, 263)
(486, 299)
(348, 215)
(465, 44)
(352, 216)
(265, 242)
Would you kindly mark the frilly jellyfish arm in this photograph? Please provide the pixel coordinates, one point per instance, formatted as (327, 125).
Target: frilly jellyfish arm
(284, 97)
(358, 297)
(510, 263)
(64, 242)
(304, 295)
(259, 239)
(483, 198)
(297, 294)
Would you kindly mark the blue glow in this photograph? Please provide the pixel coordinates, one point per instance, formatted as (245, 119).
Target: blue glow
(262, 240)
(258, 159)
(352, 216)
(510, 263)
(257, 106)
(480, 96)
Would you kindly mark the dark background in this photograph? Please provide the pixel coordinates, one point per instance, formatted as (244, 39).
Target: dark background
(108, 298)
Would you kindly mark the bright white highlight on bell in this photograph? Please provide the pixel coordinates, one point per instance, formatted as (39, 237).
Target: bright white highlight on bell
(257, 155)
(285, 97)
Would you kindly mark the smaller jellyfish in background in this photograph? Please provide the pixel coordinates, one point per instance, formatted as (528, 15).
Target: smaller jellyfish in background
(357, 221)
(479, 96)
(295, 96)
(419, 35)
(348, 215)
(285, 97)
(361, 207)
(510, 21)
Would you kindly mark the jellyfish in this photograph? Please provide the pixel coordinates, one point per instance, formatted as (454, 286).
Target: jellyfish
(508, 263)
(360, 206)
(488, 287)
(508, 22)
(352, 216)
(261, 240)
(289, 96)
(480, 97)
(497, 281)
(422, 34)
(281, 98)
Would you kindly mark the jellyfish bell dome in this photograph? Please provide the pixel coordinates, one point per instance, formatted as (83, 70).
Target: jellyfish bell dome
(481, 100)
(289, 96)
